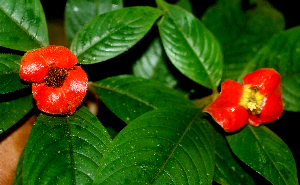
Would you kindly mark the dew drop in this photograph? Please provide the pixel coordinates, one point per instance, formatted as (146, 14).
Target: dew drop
(75, 8)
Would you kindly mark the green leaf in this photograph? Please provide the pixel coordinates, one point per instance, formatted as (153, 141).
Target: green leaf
(18, 178)
(129, 96)
(23, 25)
(112, 33)
(227, 170)
(64, 150)
(190, 46)
(290, 92)
(242, 33)
(283, 54)
(164, 146)
(79, 12)
(153, 65)
(265, 152)
(185, 4)
(10, 73)
(13, 110)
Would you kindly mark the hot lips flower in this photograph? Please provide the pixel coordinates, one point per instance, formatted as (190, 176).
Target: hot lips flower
(58, 85)
(255, 102)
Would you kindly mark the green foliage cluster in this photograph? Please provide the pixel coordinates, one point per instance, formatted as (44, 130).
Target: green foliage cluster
(167, 138)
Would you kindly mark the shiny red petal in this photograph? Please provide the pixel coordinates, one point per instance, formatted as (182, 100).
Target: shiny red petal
(272, 109)
(225, 109)
(35, 63)
(230, 95)
(64, 99)
(269, 83)
(75, 88)
(33, 67)
(266, 79)
(50, 100)
(58, 56)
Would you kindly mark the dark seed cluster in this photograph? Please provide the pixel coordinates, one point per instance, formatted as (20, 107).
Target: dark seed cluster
(56, 77)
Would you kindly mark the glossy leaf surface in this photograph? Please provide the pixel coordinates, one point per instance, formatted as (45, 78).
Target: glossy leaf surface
(227, 170)
(266, 153)
(185, 4)
(242, 31)
(129, 97)
(9, 73)
(22, 25)
(79, 12)
(18, 178)
(13, 110)
(164, 146)
(190, 46)
(112, 33)
(153, 65)
(64, 150)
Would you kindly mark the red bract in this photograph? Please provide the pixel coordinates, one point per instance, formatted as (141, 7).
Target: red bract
(257, 101)
(58, 86)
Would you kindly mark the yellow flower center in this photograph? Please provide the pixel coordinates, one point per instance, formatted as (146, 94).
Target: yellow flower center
(251, 99)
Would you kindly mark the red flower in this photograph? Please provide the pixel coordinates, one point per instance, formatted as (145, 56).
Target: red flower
(58, 86)
(257, 101)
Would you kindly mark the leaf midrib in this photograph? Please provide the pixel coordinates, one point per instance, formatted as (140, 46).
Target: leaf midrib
(20, 26)
(259, 141)
(125, 94)
(190, 45)
(176, 145)
(110, 33)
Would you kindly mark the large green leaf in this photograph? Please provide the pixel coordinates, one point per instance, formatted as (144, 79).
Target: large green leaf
(79, 12)
(265, 152)
(242, 33)
(185, 4)
(10, 73)
(129, 96)
(22, 25)
(227, 170)
(164, 146)
(190, 46)
(64, 150)
(153, 65)
(18, 178)
(13, 109)
(283, 54)
(112, 33)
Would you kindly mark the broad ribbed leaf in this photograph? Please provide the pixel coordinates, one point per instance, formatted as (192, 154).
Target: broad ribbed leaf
(18, 178)
(64, 150)
(22, 25)
(129, 96)
(13, 109)
(185, 4)
(164, 146)
(265, 152)
(283, 54)
(153, 65)
(227, 170)
(112, 33)
(10, 73)
(190, 46)
(242, 33)
(79, 12)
